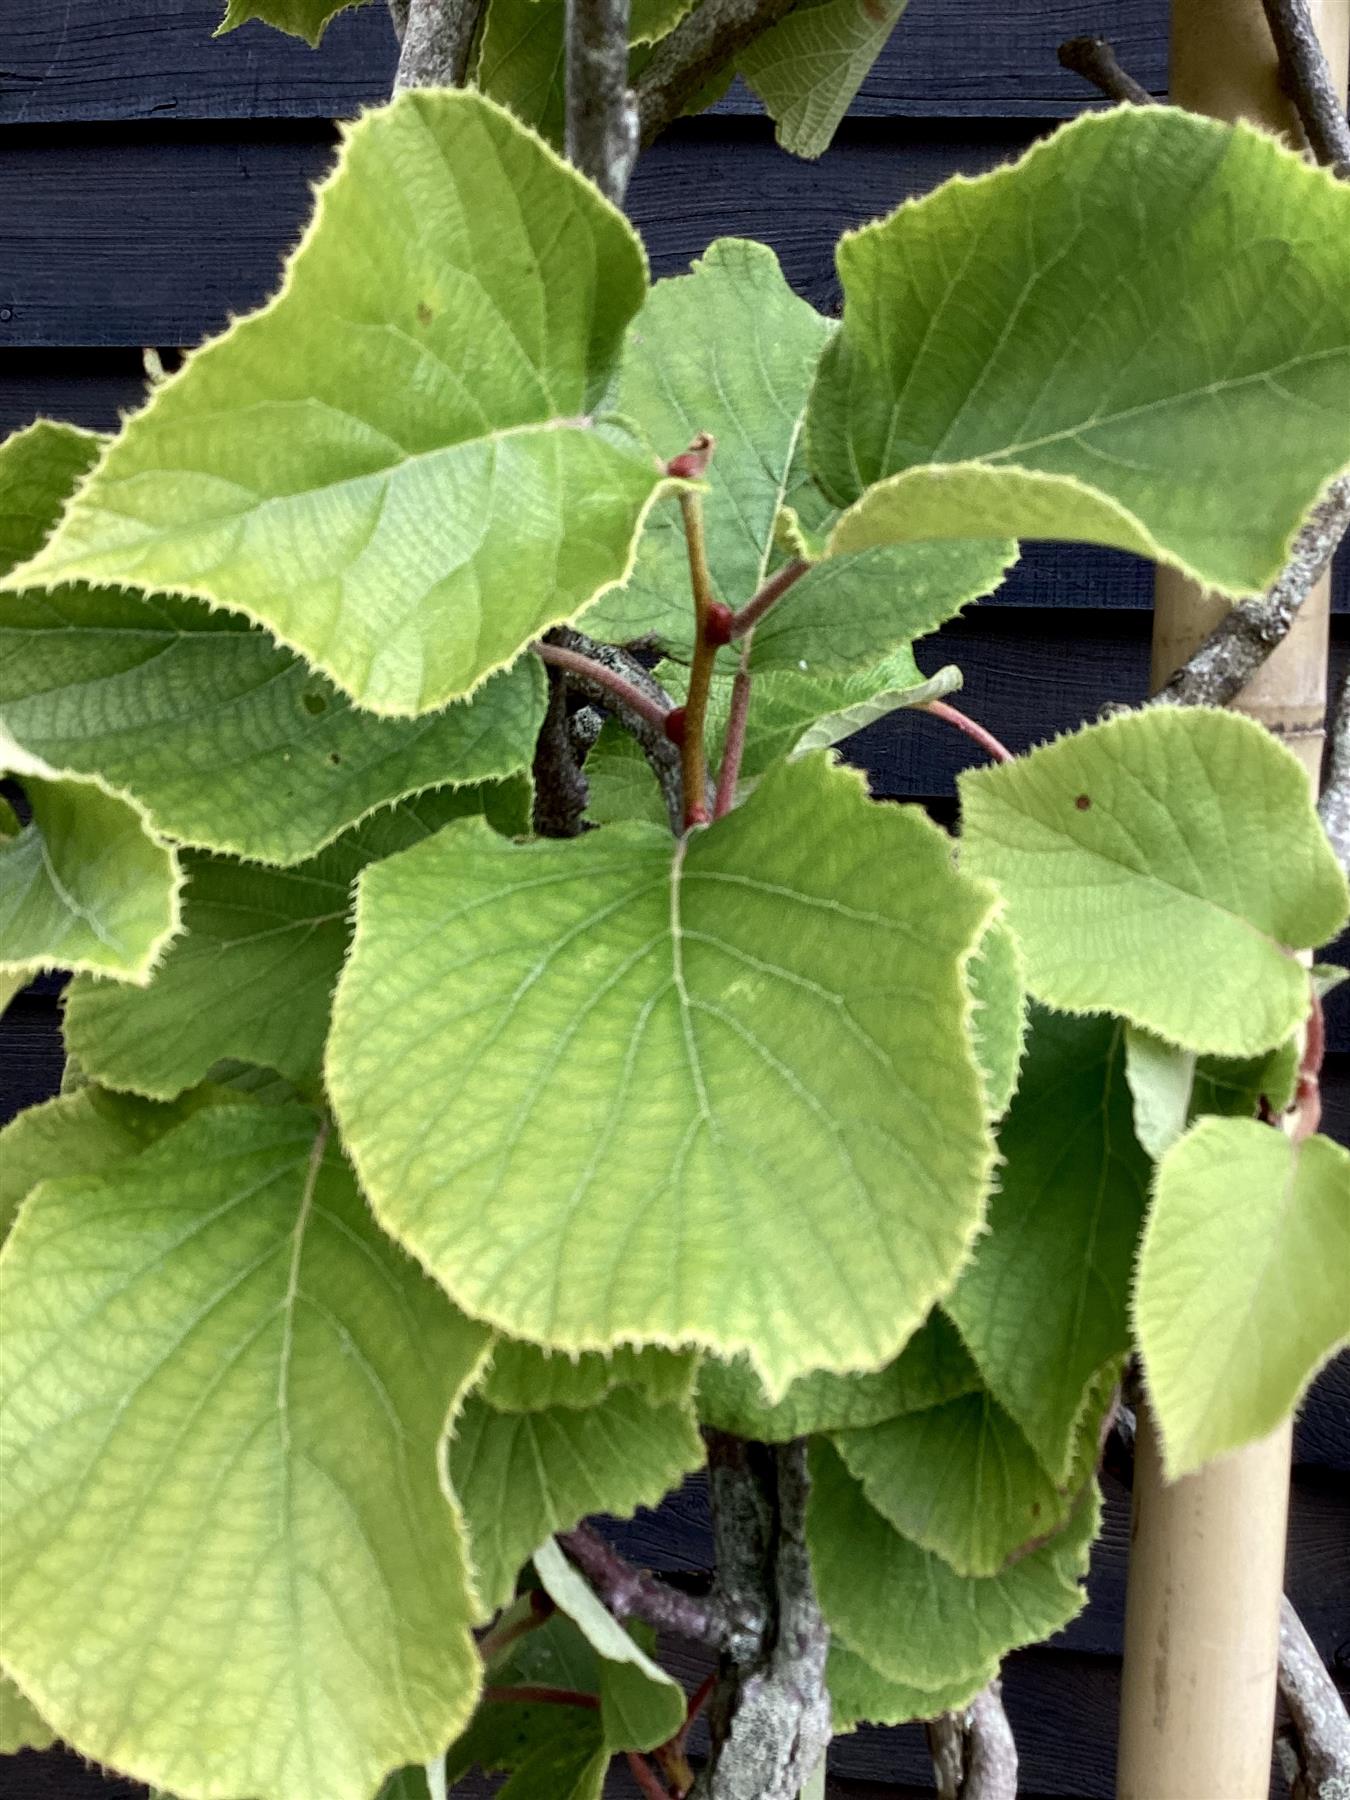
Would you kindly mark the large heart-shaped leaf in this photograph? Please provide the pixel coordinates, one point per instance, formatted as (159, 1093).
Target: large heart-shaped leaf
(522, 1378)
(307, 19)
(858, 1692)
(393, 466)
(1164, 866)
(1242, 1292)
(227, 740)
(1087, 344)
(640, 1057)
(230, 1564)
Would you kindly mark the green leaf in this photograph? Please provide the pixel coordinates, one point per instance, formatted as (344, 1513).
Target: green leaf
(523, 1378)
(237, 1388)
(1084, 346)
(849, 611)
(1043, 1305)
(961, 1480)
(1236, 1087)
(561, 1771)
(869, 1578)
(253, 974)
(934, 1366)
(22, 1726)
(1241, 1293)
(859, 1693)
(228, 741)
(1164, 866)
(86, 884)
(522, 62)
(408, 372)
(619, 781)
(727, 349)
(1161, 1079)
(854, 715)
(596, 1147)
(521, 1476)
(640, 1706)
(511, 1735)
(999, 1021)
(307, 19)
(79, 1133)
(808, 68)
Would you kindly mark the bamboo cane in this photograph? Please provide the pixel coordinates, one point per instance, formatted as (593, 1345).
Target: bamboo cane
(1207, 1555)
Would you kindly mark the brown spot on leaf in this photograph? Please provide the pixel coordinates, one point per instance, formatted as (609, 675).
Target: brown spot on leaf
(424, 313)
(1082, 802)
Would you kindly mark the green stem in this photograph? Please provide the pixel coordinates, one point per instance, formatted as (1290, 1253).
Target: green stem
(773, 590)
(734, 749)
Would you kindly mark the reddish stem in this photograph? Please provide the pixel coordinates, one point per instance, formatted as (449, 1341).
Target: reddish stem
(525, 1695)
(645, 1777)
(507, 1630)
(773, 590)
(632, 697)
(963, 722)
(734, 748)
(702, 1694)
(1308, 1093)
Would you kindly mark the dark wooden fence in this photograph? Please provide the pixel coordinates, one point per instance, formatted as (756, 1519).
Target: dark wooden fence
(151, 180)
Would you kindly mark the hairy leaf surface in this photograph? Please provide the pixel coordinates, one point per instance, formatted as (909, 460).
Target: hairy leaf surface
(231, 1567)
(393, 466)
(521, 1476)
(229, 742)
(868, 1577)
(718, 1092)
(859, 1694)
(81, 1133)
(22, 1726)
(961, 1480)
(86, 883)
(1043, 1304)
(523, 1378)
(1086, 345)
(1139, 856)
(252, 976)
(1242, 1291)
(808, 68)
(307, 19)
(999, 1022)
(933, 1367)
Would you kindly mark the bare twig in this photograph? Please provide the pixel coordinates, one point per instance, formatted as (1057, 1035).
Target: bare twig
(644, 725)
(1095, 60)
(771, 1721)
(1311, 84)
(704, 41)
(631, 1593)
(1243, 639)
(438, 39)
(1321, 1727)
(974, 1753)
(602, 124)
(614, 688)
(560, 791)
(1334, 805)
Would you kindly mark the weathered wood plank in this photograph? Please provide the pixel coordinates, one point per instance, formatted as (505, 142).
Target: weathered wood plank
(150, 59)
(131, 236)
